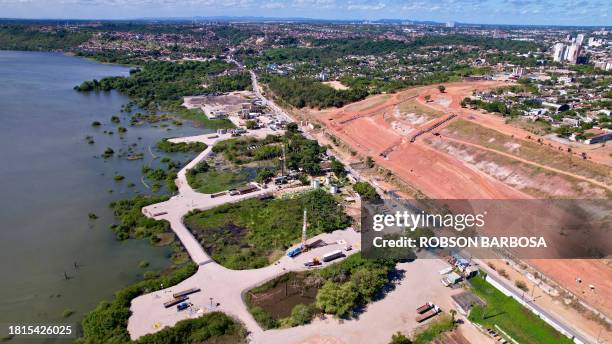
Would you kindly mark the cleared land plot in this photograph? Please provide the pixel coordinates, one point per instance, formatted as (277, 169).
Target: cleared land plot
(514, 319)
(413, 106)
(254, 233)
(532, 180)
(532, 151)
(337, 85)
(368, 104)
(590, 271)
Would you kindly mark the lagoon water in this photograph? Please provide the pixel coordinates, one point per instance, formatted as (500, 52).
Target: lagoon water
(51, 179)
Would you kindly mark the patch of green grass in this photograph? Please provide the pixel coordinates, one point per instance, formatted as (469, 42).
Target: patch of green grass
(246, 234)
(434, 330)
(216, 181)
(514, 319)
(199, 118)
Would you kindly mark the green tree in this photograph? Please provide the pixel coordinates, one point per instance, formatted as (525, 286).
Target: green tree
(264, 175)
(338, 299)
(399, 338)
(441, 88)
(366, 191)
(368, 282)
(301, 314)
(369, 162)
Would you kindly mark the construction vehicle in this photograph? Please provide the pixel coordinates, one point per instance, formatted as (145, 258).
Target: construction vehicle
(314, 262)
(430, 313)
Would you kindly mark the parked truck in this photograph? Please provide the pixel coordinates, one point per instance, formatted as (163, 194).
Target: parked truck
(424, 308)
(294, 252)
(430, 313)
(332, 255)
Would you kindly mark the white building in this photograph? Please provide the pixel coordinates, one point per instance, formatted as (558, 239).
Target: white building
(559, 53)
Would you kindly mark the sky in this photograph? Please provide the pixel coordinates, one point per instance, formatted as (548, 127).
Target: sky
(527, 12)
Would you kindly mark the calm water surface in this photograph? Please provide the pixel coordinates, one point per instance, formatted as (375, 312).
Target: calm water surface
(51, 179)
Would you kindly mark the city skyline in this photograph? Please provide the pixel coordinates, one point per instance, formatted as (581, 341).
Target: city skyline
(510, 12)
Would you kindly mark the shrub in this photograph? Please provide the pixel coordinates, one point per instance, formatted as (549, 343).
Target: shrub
(521, 285)
(399, 338)
(301, 314)
(366, 191)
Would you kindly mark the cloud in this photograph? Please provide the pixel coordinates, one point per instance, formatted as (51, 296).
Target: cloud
(365, 6)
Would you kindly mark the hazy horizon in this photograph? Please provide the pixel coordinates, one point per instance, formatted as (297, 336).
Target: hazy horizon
(500, 12)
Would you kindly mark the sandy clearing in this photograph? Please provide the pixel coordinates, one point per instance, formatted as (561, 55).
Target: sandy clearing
(337, 85)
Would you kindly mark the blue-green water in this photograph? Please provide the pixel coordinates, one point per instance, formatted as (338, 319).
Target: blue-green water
(51, 179)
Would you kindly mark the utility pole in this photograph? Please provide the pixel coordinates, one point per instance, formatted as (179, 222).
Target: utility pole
(284, 166)
(304, 230)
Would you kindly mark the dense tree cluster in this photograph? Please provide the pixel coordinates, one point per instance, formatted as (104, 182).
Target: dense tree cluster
(169, 147)
(311, 93)
(160, 83)
(20, 37)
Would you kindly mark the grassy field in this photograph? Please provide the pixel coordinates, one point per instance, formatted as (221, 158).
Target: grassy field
(253, 233)
(514, 319)
(216, 181)
(199, 118)
(532, 151)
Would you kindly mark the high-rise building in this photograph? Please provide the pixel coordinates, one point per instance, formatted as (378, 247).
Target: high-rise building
(573, 52)
(580, 39)
(559, 53)
(450, 24)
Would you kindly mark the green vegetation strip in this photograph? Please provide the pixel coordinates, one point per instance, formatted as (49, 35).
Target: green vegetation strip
(166, 146)
(212, 327)
(514, 319)
(251, 233)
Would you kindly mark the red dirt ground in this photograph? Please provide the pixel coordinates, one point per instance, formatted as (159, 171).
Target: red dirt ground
(442, 176)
